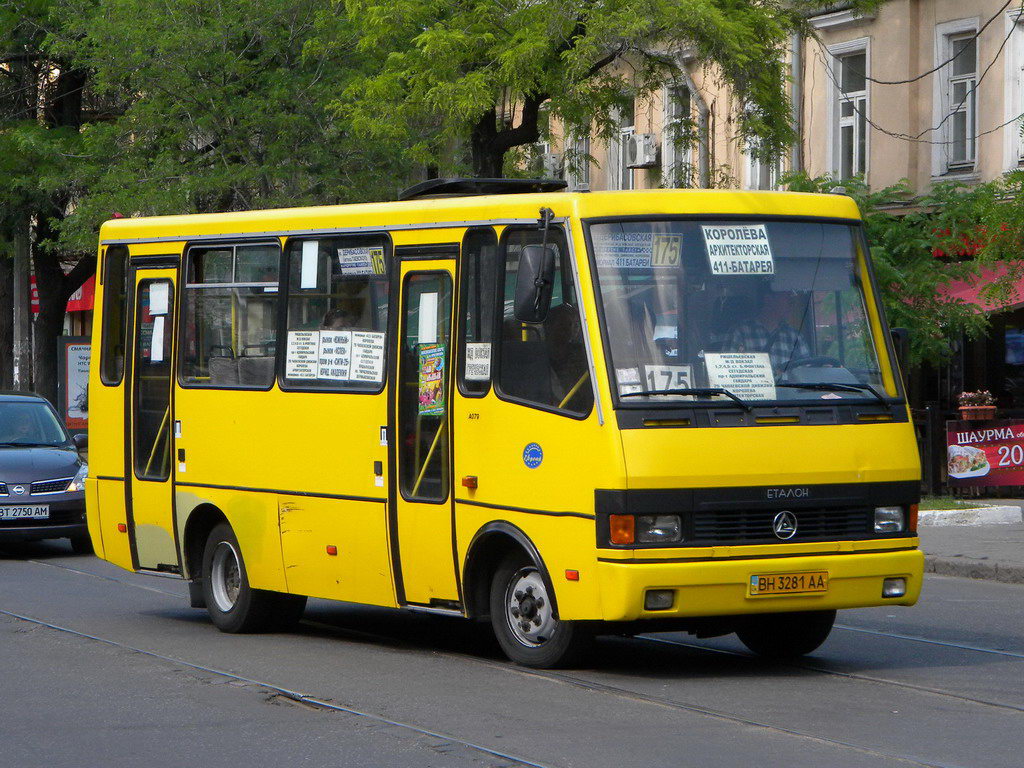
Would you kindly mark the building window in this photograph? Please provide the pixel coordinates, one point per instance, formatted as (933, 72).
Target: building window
(850, 140)
(577, 164)
(761, 173)
(1013, 94)
(620, 175)
(677, 135)
(962, 81)
(954, 97)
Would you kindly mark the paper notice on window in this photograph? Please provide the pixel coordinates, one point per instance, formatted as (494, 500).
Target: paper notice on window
(156, 349)
(748, 375)
(356, 261)
(624, 250)
(478, 361)
(302, 355)
(367, 356)
(628, 380)
(741, 249)
(159, 298)
(428, 319)
(334, 356)
(310, 260)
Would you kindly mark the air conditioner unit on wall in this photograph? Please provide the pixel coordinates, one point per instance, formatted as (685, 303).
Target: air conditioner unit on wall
(552, 165)
(643, 151)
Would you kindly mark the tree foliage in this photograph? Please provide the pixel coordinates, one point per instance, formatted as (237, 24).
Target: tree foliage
(482, 69)
(919, 244)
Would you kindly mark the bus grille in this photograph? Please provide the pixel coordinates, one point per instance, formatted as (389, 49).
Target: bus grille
(749, 526)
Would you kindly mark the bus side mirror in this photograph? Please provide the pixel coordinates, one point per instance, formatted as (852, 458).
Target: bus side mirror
(534, 283)
(901, 344)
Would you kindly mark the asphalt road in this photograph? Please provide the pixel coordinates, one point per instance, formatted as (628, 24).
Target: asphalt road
(99, 666)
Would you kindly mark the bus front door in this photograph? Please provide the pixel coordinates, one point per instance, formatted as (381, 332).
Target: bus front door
(422, 499)
(148, 450)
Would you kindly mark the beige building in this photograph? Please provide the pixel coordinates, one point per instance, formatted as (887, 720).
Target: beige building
(924, 90)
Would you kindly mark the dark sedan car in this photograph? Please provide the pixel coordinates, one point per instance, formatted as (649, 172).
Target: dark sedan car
(42, 477)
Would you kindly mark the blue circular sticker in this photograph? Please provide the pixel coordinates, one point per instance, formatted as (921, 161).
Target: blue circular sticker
(533, 455)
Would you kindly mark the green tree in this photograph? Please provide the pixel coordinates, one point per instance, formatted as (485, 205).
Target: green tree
(177, 107)
(919, 244)
(482, 69)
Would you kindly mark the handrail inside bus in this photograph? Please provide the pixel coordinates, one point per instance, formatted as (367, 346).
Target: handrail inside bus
(426, 461)
(575, 389)
(156, 440)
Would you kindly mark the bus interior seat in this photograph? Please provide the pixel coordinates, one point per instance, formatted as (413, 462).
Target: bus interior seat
(255, 370)
(223, 371)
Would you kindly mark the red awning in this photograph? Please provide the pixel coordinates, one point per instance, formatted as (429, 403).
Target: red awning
(969, 290)
(80, 301)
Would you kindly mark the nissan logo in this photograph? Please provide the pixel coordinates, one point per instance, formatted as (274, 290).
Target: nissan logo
(784, 525)
(18, 489)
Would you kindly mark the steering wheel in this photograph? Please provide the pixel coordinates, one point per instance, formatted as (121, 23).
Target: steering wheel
(819, 361)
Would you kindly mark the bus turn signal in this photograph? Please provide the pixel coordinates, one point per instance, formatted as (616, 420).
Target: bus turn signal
(622, 529)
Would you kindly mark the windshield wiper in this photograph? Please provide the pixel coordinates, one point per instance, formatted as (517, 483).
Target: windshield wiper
(31, 445)
(828, 386)
(699, 391)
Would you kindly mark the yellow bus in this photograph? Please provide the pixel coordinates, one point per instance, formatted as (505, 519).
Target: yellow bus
(563, 413)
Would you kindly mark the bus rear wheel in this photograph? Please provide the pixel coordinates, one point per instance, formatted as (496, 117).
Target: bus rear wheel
(786, 635)
(234, 606)
(524, 622)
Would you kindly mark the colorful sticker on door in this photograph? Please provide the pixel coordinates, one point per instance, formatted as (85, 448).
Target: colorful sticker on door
(431, 401)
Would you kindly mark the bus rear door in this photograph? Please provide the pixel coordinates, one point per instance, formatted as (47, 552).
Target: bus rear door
(148, 440)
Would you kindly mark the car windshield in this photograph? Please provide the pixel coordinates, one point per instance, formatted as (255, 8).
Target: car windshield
(766, 310)
(29, 423)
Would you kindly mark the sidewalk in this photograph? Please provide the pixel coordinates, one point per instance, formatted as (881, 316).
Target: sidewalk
(994, 552)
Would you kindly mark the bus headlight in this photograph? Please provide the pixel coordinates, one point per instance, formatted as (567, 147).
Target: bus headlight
(889, 519)
(78, 484)
(658, 529)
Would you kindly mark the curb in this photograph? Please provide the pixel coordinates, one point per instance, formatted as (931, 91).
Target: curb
(972, 516)
(973, 569)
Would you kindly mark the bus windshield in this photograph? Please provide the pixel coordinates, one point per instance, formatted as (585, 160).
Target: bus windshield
(743, 312)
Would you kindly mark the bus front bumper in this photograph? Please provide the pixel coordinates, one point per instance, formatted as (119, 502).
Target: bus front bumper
(722, 588)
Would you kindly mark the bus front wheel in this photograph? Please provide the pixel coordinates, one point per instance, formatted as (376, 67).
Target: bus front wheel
(524, 622)
(233, 605)
(786, 635)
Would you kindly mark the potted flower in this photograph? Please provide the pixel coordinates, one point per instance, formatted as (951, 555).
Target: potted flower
(977, 406)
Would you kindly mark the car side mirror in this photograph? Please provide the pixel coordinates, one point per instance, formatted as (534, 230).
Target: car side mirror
(901, 345)
(534, 283)
(81, 441)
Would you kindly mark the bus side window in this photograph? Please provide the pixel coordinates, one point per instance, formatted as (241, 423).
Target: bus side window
(230, 316)
(544, 364)
(337, 313)
(477, 283)
(115, 293)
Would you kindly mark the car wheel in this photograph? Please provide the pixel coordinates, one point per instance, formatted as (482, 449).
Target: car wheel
(81, 545)
(786, 635)
(524, 622)
(234, 606)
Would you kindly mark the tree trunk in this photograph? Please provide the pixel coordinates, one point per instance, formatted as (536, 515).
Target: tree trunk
(489, 145)
(6, 321)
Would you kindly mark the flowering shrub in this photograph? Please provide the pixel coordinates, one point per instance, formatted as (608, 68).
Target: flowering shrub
(982, 397)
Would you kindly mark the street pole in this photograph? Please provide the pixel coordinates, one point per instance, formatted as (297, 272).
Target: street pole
(22, 313)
